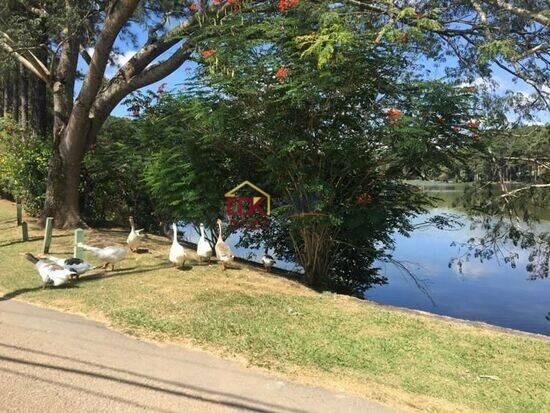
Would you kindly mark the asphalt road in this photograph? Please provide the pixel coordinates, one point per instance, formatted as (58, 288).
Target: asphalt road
(56, 362)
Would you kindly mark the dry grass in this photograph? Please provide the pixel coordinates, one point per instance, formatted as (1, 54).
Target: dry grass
(410, 360)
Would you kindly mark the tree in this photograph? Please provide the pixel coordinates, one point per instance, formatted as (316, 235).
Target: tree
(331, 140)
(479, 34)
(68, 29)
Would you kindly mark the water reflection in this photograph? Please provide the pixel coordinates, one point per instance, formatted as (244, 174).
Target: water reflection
(483, 290)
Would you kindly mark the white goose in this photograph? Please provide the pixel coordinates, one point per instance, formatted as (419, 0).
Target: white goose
(109, 255)
(75, 265)
(204, 250)
(49, 272)
(223, 250)
(134, 237)
(177, 254)
(268, 261)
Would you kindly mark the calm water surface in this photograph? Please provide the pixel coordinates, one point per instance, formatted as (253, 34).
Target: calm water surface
(489, 291)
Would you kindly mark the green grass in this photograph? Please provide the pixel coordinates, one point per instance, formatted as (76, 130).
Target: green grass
(405, 359)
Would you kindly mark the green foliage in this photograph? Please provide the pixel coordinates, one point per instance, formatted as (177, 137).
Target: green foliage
(317, 136)
(496, 48)
(23, 165)
(112, 178)
(326, 41)
(186, 171)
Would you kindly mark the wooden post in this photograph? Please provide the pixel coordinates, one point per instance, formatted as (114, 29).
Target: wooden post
(19, 208)
(48, 235)
(24, 231)
(78, 237)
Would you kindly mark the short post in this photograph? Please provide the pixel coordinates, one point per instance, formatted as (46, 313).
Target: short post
(78, 237)
(24, 231)
(19, 209)
(48, 235)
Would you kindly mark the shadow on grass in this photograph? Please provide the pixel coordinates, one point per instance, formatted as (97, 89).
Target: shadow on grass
(89, 278)
(7, 243)
(13, 294)
(17, 241)
(21, 291)
(122, 271)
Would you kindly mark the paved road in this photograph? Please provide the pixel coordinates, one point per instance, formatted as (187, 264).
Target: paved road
(56, 362)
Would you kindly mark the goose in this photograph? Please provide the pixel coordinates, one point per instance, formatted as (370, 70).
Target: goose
(109, 255)
(268, 261)
(134, 237)
(204, 250)
(177, 254)
(49, 272)
(75, 265)
(223, 250)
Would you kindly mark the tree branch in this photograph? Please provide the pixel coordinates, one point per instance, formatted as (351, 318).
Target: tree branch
(116, 91)
(538, 17)
(525, 188)
(31, 63)
(119, 13)
(152, 49)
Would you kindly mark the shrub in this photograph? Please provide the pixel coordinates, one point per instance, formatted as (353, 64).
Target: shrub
(112, 185)
(23, 165)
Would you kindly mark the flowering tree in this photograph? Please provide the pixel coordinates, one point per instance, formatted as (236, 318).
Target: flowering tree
(331, 143)
(474, 31)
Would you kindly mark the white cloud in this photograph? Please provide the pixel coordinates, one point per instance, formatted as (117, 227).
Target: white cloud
(118, 60)
(122, 59)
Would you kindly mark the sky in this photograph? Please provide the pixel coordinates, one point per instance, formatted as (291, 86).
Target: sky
(502, 80)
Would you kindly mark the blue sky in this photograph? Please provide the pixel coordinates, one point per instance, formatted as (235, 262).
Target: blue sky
(502, 80)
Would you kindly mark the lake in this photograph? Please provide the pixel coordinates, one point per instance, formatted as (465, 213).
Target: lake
(490, 291)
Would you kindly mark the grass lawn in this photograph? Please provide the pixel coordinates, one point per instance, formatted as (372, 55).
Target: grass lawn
(403, 359)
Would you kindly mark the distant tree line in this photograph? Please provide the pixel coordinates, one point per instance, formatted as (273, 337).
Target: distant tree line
(518, 154)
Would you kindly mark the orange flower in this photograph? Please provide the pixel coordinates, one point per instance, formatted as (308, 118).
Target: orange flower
(282, 73)
(208, 53)
(234, 3)
(216, 2)
(394, 115)
(285, 5)
(193, 6)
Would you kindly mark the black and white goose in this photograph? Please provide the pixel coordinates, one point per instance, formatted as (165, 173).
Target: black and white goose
(75, 265)
(50, 272)
(268, 261)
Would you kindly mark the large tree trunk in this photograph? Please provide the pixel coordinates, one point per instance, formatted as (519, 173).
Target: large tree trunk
(62, 193)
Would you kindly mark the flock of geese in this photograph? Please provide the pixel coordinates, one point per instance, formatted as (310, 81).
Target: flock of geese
(58, 271)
